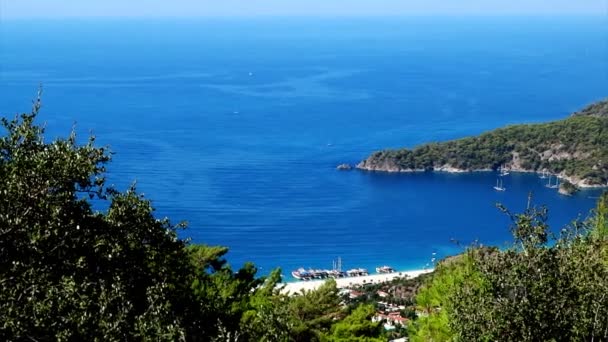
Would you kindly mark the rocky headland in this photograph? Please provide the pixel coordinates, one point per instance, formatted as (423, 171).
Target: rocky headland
(575, 149)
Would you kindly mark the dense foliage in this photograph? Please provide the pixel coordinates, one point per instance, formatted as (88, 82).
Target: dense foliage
(529, 292)
(357, 327)
(574, 147)
(71, 273)
(599, 109)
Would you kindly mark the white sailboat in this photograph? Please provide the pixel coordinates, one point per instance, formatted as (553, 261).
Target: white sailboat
(503, 171)
(556, 185)
(499, 186)
(543, 174)
(553, 186)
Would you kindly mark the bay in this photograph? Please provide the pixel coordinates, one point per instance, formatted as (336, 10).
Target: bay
(237, 125)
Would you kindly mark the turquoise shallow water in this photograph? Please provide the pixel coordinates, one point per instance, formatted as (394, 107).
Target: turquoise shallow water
(237, 126)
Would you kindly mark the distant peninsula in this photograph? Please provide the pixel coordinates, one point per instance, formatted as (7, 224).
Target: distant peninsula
(575, 148)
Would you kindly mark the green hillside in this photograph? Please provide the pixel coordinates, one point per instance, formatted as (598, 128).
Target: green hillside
(575, 148)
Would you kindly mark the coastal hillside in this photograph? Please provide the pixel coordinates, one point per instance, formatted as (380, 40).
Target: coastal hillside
(575, 148)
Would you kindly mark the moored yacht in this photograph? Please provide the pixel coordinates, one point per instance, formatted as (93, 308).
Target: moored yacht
(356, 272)
(553, 186)
(499, 186)
(318, 274)
(337, 274)
(385, 269)
(301, 274)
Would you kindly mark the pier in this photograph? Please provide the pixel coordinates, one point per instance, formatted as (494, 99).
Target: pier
(336, 272)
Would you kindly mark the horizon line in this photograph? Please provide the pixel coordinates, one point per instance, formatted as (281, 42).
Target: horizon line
(316, 16)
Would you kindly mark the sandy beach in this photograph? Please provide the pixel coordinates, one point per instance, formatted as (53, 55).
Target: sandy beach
(297, 286)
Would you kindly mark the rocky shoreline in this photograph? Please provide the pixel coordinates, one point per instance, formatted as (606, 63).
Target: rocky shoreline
(391, 167)
(551, 147)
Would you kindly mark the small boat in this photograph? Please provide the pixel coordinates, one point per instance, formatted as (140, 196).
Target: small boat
(336, 274)
(301, 274)
(499, 186)
(336, 269)
(553, 186)
(356, 272)
(543, 174)
(385, 269)
(317, 274)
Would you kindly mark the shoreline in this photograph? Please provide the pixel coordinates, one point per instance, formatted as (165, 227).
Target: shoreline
(297, 286)
(577, 182)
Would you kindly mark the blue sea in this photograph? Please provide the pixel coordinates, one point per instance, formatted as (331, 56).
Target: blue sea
(237, 126)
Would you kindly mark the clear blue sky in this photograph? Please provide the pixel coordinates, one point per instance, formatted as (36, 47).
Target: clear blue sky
(20, 9)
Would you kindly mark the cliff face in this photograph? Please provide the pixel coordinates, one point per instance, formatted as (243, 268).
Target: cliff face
(575, 148)
(382, 163)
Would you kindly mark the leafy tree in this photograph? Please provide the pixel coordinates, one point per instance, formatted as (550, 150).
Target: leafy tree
(529, 292)
(357, 327)
(268, 317)
(69, 273)
(314, 312)
(223, 294)
(599, 222)
(435, 300)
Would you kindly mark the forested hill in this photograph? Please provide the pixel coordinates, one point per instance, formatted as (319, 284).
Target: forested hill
(575, 148)
(598, 109)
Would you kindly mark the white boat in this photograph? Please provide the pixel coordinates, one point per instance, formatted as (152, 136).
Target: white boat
(337, 274)
(543, 174)
(385, 269)
(318, 273)
(301, 274)
(499, 186)
(553, 186)
(336, 270)
(356, 272)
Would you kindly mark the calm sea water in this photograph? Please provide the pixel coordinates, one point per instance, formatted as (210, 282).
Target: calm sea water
(237, 125)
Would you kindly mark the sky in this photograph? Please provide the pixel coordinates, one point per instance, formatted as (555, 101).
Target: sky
(26, 9)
